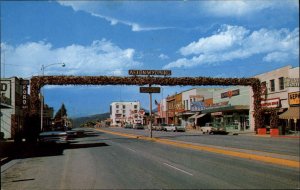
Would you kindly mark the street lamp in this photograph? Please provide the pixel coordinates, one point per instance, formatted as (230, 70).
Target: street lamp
(41, 93)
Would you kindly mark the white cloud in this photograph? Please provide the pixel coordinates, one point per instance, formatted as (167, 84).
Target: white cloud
(163, 56)
(235, 42)
(99, 58)
(245, 7)
(88, 7)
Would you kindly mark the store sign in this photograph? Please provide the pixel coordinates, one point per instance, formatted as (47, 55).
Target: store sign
(294, 98)
(218, 105)
(5, 90)
(292, 82)
(271, 103)
(230, 93)
(24, 84)
(216, 113)
(197, 106)
(150, 72)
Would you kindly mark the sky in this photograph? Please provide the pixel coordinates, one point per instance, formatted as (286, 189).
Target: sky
(108, 38)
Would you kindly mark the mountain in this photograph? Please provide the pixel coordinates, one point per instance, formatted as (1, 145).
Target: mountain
(81, 120)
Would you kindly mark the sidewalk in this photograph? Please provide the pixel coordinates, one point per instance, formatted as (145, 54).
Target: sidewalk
(292, 136)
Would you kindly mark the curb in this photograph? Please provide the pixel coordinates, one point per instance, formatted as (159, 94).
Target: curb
(266, 159)
(5, 160)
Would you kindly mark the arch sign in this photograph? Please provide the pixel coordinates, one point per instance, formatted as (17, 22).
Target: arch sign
(37, 82)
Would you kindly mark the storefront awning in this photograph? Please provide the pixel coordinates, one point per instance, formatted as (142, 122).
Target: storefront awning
(291, 113)
(226, 108)
(196, 116)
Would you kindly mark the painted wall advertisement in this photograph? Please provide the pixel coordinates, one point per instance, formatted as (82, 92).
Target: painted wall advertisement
(5, 88)
(294, 98)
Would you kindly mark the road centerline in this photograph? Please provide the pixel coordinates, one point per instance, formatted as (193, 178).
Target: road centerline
(178, 169)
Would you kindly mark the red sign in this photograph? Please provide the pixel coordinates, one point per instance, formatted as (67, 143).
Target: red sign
(271, 103)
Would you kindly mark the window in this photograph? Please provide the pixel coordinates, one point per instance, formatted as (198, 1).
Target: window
(124, 106)
(135, 106)
(281, 83)
(272, 85)
(117, 106)
(117, 111)
(123, 111)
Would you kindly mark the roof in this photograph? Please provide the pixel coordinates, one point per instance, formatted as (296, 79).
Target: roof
(291, 113)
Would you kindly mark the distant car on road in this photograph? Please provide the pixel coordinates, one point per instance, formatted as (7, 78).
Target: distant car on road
(53, 137)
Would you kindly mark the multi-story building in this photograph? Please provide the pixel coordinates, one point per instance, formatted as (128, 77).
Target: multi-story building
(171, 109)
(162, 111)
(276, 87)
(193, 101)
(125, 112)
(13, 106)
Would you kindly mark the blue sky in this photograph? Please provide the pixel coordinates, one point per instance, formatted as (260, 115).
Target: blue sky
(191, 38)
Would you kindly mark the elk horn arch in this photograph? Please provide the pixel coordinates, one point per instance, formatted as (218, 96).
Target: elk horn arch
(37, 82)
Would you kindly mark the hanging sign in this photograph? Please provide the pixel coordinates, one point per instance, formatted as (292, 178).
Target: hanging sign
(150, 72)
(149, 89)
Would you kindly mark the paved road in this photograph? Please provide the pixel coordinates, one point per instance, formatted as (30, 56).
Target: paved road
(273, 145)
(102, 161)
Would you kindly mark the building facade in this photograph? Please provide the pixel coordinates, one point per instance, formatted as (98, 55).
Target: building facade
(125, 112)
(277, 85)
(231, 109)
(14, 105)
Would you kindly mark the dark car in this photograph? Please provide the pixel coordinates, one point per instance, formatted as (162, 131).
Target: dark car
(138, 126)
(128, 126)
(53, 137)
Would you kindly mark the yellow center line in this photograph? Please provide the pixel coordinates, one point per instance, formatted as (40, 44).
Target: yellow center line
(267, 159)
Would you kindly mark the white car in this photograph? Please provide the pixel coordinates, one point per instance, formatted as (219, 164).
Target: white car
(207, 128)
(169, 128)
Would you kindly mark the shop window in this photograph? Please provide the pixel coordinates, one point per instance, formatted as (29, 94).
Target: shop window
(281, 83)
(272, 85)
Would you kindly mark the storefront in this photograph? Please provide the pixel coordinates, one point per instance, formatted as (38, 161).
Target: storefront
(291, 117)
(231, 109)
(233, 118)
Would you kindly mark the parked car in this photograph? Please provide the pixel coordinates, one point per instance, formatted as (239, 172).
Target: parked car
(170, 127)
(53, 137)
(128, 126)
(180, 128)
(218, 129)
(138, 126)
(71, 134)
(206, 128)
(158, 127)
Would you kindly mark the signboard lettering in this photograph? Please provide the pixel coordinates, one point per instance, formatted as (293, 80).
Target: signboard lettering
(271, 103)
(197, 106)
(230, 93)
(24, 93)
(292, 82)
(294, 98)
(149, 89)
(5, 88)
(150, 72)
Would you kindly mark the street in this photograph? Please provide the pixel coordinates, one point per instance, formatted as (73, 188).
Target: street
(105, 161)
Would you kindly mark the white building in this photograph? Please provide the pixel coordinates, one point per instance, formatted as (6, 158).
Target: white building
(13, 98)
(125, 112)
(193, 101)
(276, 87)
